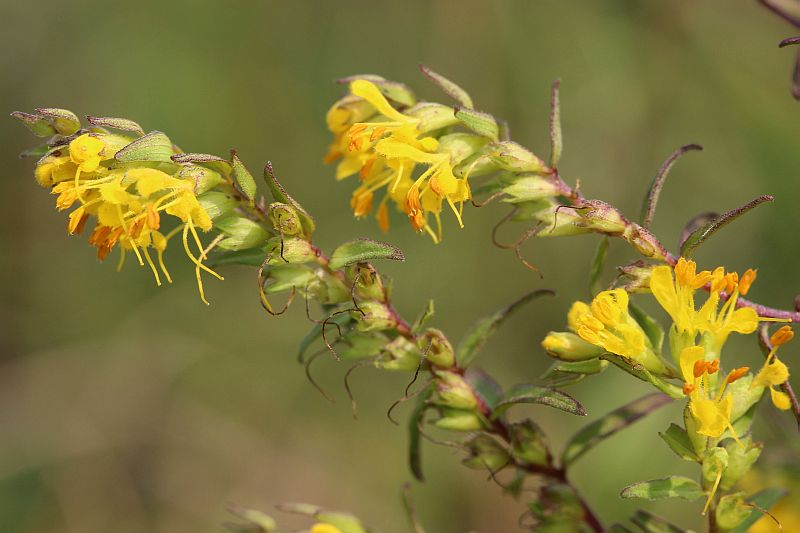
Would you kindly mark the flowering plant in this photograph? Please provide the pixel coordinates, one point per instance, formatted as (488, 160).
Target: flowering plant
(423, 159)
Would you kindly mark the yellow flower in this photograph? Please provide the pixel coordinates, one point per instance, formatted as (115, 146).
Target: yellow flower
(711, 410)
(324, 528)
(774, 372)
(676, 296)
(385, 152)
(607, 323)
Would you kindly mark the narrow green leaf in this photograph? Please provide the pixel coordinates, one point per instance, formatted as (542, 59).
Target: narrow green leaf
(38, 125)
(701, 235)
(556, 142)
(651, 198)
(450, 88)
(122, 124)
(214, 162)
(696, 222)
(678, 441)
(615, 421)
(527, 393)
(155, 146)
(280, 195)
(244, 180)
(598, 262)
(363, 249)
(414, 435)
(668, 487)
(481, 123)
(650, 523)
(651, 327)
(63, 120)
(470, 345)
(764, 499)
(423, 319)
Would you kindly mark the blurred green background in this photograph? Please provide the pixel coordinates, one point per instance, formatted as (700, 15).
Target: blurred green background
(130, 408)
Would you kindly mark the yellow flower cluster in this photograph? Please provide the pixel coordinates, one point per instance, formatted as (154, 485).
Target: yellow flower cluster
(128, 204)
(385, 147)
(696, 338)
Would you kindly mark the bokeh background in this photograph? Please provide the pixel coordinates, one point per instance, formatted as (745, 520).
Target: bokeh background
(130, 408)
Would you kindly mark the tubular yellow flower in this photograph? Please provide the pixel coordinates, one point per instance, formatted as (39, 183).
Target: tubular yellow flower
(607, 323)
(711, 410)
(385, 151)
(676, 296)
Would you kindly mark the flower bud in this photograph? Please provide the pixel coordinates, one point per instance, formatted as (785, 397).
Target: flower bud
(284, 218)
(241, 233)
(741, 456)
(454, 391)
(459, 420)
(325, 288)
(216, 203)
(438, 349)
(400, 354)
(638, 275)
(644, 241)
(528, 444)
(569, 347)
(376, 317)
(485, 453)
(369, 285)
(295, 250)
(530, 187)
(558, 220)
(600, 216)
(432, 116)
(511, 156)
(204, 178)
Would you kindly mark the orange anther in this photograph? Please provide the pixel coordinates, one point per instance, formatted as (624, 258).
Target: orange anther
(700, 368)
(747, 280)
(781, 337)
(688, 388)
(737, 373)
